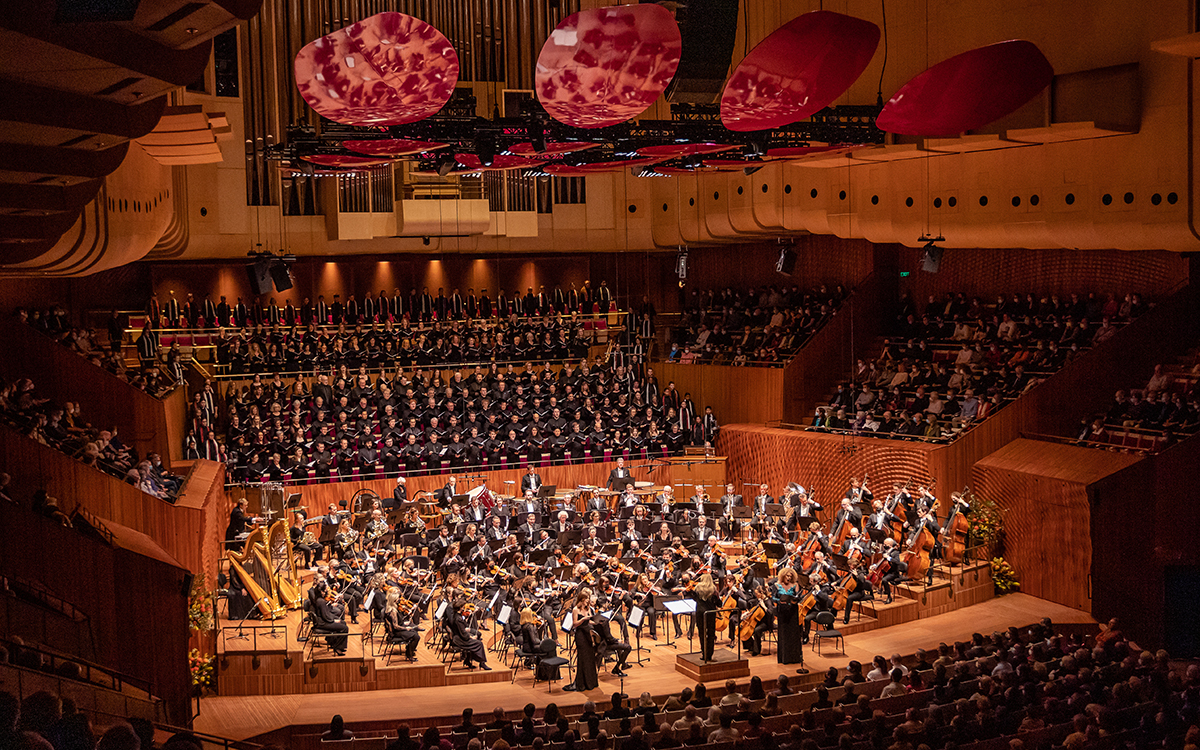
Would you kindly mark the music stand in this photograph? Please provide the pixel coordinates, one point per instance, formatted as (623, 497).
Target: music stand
(624, 483)
(635, 619)
(684, 607)
(547, 490)
(877, 535)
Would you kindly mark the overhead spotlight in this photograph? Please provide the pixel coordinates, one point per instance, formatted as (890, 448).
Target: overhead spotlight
(445, 165)
(681, 265)
(787, 260)
(485, 148)
(425, 240)
(931, 262)
(537, 133)
(749, 170)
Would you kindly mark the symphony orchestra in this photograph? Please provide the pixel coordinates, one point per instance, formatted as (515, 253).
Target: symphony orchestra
(601, 564)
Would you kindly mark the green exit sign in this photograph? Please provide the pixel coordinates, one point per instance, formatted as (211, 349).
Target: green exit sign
(904, 274)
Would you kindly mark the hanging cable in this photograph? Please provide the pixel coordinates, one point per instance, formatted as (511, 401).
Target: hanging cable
(879, 94)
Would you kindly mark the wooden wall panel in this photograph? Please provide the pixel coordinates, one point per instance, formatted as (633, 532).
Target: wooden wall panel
(1047, 532)
(736, 394)
(179, 530)
(317, 497)
(820, 461)
(136, 606)
(831, 353)
(988, 272)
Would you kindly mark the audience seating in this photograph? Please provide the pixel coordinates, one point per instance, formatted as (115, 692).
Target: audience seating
(763, 327)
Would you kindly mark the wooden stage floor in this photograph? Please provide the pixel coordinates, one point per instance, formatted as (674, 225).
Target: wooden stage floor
(244, 717)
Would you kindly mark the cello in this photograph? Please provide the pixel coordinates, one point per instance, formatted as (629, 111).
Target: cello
(846, 586)
(728, 606)
(892, 505)
(751, 619)
(811, 545)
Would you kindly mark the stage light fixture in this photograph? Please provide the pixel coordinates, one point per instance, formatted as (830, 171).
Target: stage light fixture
(445, 165)
(485, 149)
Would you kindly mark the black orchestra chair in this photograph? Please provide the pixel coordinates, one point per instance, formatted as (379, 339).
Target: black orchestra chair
(538, 664)
(826, 631)
(310, 632)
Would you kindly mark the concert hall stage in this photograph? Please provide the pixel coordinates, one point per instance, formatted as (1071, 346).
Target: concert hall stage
(249, 716)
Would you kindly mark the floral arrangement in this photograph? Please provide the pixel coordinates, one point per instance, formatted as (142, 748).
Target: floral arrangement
(200, 605)
(1004, 578)
(201, 667)
(986, 522)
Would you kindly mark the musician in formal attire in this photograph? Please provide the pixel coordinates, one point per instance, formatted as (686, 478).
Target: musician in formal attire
(707, 604)
(327, 616)
(702, 531)
(532, 481)
(330, 524)
(729, 501)
(896, 569)
(822, 591)
(302, 541)
(618, 474)
(399, 494)
(465, 639)
(238, 521)
(400, 627)
(880, 519)
(862, 588)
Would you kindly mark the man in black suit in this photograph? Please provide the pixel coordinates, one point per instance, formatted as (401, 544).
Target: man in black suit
(618, 473)
(528, 504)
(702, 530)
(531, 481)
(530, 527)
(848, 513)
(445, 496)
(399, 494)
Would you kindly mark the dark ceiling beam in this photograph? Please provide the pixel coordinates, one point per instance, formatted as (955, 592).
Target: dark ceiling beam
(62, 161)
(37, 105)
(49, 196)
(105, 42)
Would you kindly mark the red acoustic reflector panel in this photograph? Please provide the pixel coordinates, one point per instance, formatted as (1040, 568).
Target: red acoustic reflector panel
(603, 66)
(799, 69)
(673, 150)
(392, 147)
(388, 69)
(968, 90)
(338, 160)
(552, 149)
(501, 162)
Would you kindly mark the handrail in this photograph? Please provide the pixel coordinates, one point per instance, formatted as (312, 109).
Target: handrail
(354, 372)
(335, 477)
(273, 632)
(414, 326)
(115, 677)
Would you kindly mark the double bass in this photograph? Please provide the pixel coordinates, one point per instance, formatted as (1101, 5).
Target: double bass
(954, 534)
(919, 550)
(892, 505)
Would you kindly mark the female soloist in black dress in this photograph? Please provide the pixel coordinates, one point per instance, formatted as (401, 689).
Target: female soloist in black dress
(586, 673)
(787, 618)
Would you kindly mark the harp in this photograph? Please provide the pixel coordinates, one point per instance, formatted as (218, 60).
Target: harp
(283, 564)
(254, 570)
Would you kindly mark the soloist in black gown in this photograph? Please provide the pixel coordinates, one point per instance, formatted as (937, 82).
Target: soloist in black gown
(586, 673)
(787, 621)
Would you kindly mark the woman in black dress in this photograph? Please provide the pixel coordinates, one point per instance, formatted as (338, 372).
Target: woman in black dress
(465, 639)
(707, 604)
(586, 675)
(532, 643)
(787, 618)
